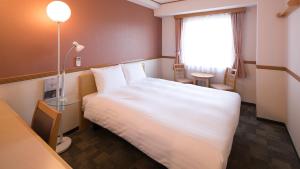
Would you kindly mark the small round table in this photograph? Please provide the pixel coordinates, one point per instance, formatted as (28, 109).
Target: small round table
(63, 142)
(202, 77)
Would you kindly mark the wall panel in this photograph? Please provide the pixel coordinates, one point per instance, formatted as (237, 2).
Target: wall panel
(113, 31)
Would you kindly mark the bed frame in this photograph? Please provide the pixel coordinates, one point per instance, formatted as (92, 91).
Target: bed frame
(87, 86)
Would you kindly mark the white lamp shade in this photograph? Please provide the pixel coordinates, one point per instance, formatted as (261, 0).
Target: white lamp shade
(78, 47)
(58, 11)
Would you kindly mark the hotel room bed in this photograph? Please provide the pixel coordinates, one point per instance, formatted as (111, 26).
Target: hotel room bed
(180, 126)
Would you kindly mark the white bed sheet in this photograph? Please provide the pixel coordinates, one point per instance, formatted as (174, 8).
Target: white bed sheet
(181, 126)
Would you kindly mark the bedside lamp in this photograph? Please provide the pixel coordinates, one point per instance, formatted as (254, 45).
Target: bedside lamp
(78, 48)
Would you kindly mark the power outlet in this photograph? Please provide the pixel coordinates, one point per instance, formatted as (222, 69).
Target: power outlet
(78, 61)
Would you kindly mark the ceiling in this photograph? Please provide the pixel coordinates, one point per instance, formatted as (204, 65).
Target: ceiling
(152, 4)
(165, 1)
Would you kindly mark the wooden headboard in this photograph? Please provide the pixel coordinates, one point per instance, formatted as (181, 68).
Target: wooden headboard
(87, 84)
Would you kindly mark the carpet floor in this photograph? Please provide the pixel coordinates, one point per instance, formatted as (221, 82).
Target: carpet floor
(257, 144)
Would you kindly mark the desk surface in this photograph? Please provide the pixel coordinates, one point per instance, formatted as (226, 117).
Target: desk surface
(21, 148)
(203, 75)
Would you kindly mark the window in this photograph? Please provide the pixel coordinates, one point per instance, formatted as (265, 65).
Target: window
(207, 43)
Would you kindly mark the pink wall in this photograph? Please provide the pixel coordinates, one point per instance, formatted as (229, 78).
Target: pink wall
(113, 31)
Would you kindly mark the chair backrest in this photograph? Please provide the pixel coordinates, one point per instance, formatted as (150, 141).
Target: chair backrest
(45, 123)
(179, 71)
(230, 77)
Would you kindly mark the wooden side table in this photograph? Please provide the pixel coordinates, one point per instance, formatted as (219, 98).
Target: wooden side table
(202, 77)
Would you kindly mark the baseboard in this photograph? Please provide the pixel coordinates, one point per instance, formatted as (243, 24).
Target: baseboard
(271, 121)
(247, 103)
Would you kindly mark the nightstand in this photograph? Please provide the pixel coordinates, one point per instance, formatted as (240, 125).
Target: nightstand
(64, 107)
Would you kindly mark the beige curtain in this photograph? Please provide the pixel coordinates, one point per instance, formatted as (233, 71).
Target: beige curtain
(178, 30)
(237, 24)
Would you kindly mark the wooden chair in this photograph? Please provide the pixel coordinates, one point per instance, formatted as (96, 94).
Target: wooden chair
(179, 74)
(229, 81)
(45, 123)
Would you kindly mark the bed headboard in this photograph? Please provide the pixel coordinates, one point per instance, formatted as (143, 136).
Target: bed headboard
(87, 84)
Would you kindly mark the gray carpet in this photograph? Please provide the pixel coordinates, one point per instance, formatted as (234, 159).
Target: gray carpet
(257, 144)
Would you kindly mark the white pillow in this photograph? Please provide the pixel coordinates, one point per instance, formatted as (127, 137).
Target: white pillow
(109, 78)
(133, 72)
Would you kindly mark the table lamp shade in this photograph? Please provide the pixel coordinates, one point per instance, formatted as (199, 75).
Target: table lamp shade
(58, 11)
(78, 47)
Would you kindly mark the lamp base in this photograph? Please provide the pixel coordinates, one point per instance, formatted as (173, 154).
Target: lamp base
(63, 145)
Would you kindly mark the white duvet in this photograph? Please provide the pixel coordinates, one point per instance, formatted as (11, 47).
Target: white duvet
(180, 126)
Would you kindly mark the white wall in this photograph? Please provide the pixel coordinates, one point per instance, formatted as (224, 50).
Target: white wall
(293, 110)
(249, 34)
(271, 33)
(167, 68)
(22, 96)
(246, 87)
(168, 47)
(168, 36)
(271, 51)
(271, 94)
(293, 86)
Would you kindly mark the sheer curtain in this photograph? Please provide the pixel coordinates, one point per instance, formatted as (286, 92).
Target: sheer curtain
(207, 44)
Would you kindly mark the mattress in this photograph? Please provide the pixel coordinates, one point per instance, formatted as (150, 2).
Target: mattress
(181, 126)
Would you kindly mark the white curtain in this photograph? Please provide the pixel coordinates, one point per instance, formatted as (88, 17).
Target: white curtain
(207, 44)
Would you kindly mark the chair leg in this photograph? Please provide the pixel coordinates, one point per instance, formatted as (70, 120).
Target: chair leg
(207, 82)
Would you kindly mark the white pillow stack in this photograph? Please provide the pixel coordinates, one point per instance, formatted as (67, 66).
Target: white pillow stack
(112, 78)
(109, 78)
(133, 72)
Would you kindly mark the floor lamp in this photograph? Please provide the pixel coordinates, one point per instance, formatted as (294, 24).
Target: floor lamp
(59, 12)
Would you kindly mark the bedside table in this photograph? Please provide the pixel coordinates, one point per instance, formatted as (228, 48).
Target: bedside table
(63, 143)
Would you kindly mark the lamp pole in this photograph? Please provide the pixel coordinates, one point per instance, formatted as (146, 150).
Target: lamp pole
(58, 64)
(58, 93)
